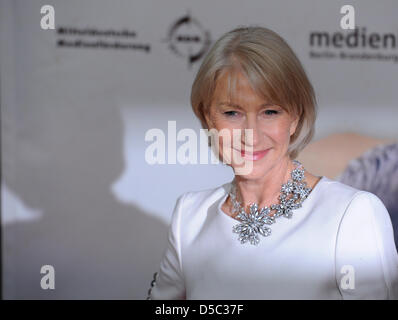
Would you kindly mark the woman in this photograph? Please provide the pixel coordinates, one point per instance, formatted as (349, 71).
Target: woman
(233, 241)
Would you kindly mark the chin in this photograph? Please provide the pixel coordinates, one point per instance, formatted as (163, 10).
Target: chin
(256, 172)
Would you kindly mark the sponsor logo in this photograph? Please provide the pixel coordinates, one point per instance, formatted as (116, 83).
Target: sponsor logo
(188, 39)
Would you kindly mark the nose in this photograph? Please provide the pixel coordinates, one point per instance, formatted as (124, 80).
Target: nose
(251, 131)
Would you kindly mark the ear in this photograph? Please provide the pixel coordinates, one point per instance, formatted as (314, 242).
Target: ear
(293, 125)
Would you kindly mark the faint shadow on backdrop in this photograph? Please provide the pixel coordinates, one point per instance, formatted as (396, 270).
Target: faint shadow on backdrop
(66, 161)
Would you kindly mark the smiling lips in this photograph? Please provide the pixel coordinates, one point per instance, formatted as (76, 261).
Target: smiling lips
(257, 155)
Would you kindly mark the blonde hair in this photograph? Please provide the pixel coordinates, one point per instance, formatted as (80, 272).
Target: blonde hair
(272, 69)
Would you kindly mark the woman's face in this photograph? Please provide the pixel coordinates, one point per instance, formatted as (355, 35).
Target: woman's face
(271, 128)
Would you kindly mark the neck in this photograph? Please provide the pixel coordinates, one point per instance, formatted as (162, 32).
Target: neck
(265, 190)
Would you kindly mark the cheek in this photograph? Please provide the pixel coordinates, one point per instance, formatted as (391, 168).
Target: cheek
(278, 132)
(226, 128)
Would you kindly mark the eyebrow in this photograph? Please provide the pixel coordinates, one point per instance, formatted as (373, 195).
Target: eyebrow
(267, 104)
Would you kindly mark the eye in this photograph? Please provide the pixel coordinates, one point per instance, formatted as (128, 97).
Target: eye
(230, 113)
(271, 112)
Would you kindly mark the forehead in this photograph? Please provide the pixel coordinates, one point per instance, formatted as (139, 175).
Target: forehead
(233, 87)
(229, 80)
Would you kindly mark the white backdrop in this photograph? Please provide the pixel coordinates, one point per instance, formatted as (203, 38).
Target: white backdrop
(76, 191)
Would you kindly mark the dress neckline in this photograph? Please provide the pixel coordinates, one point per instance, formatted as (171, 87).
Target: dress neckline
(226, 188)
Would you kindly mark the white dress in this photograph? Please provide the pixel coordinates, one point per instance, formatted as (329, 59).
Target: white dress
(338, 245)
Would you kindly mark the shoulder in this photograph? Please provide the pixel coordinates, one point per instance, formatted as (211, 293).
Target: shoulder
(334, 200)
(200, 200)
(366, 207)
(336, 193)
(192, 210)
(356, 200)
(353, 207)
(366, 219)
(334, 190)
(337, 186)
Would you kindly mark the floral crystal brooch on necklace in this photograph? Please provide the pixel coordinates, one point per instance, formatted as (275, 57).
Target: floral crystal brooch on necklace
(257, 221)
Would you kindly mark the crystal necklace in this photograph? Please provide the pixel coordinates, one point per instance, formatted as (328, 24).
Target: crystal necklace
(293, 193)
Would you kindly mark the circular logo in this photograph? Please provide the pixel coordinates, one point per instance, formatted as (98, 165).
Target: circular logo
(188, 39)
